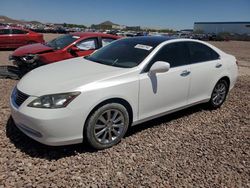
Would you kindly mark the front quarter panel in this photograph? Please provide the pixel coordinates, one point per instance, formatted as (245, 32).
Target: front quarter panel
(125, 87)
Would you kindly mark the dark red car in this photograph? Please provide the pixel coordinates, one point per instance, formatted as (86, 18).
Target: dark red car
(14, 37)
(64, 47)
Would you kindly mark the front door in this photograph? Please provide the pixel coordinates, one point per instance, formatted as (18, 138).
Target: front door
(162, 92)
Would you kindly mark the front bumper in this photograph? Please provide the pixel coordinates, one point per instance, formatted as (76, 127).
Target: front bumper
(48, 126)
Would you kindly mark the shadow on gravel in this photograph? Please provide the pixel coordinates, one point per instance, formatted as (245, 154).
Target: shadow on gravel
(165, 119)
(37, 150)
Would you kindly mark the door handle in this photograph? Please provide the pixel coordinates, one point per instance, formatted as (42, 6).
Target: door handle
(218, 65)
(185, 73)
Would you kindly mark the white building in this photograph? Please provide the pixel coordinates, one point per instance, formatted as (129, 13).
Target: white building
(218, 27)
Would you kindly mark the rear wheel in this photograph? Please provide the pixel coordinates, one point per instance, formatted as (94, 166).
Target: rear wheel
(219, 94)
(106, 126)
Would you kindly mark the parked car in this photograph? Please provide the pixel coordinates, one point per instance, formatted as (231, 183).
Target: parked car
(63, 47)
(132, 80)
(14, 37)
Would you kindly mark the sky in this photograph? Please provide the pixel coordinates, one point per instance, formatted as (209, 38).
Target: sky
(174, 14)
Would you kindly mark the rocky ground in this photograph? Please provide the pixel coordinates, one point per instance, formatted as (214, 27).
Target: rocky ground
(192, 148)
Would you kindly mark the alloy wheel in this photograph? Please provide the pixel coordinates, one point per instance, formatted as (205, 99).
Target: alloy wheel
(109, 126)
(219, 93)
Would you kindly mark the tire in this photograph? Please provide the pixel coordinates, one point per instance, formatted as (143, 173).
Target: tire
(106, 126)
(219, 94)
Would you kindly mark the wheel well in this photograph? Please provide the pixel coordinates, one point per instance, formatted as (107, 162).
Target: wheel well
(227, 80)
(119, 101)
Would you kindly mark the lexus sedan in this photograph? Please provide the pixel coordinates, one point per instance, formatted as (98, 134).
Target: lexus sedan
(63, 47)
(98, 97)
(14, 37)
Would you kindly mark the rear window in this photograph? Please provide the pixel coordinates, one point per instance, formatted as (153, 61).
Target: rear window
(200, 52)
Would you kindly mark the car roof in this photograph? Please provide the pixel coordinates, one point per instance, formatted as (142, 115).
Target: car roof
(93, 34)
(149, 40)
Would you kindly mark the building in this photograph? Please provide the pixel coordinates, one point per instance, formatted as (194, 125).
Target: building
(107, 25)
(220, 27)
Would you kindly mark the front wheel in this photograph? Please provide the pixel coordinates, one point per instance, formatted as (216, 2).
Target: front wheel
(219, 94)
(106, 126)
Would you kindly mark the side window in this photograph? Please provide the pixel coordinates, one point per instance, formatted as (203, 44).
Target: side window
(17, 31)
(200, 52)
(5, 31)
(88, 44)
(176, 54)
(106, 41)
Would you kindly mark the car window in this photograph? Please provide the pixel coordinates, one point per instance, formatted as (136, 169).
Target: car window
(18, 31)
(106, 41)
(88, 44)
(200, 52)
(5, 31)
(176, 54)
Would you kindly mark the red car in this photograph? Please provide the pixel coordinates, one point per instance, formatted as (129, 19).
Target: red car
(64, 47)
(14, 37)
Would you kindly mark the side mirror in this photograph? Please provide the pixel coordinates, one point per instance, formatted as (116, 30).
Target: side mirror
(74, 48)
(159, 66)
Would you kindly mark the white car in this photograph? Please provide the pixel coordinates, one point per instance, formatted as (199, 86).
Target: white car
(132, 80)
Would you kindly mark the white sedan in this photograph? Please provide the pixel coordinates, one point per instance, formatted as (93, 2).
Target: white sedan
(98, 97)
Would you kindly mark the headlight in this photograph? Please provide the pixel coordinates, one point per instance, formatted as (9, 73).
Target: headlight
(54, 101)
(30, 58)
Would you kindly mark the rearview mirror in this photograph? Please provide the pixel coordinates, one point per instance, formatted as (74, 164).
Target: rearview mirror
(159, 66)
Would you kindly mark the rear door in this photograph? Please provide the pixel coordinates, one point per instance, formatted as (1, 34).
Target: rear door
(5, 38)
(206, 66)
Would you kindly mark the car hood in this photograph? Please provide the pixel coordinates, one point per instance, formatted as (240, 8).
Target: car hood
(66, 76)
(37, 48)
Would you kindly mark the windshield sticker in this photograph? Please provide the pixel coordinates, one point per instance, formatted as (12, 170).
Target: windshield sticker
(143, 47)
(75, 37)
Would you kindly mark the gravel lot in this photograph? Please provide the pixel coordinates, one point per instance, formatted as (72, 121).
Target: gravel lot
(192, 148)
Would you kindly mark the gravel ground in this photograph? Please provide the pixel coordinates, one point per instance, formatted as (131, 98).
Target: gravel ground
(192, 148)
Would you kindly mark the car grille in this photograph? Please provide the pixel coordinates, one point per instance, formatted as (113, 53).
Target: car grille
(19, 97)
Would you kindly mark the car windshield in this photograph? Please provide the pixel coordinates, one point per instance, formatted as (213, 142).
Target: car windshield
(126, 53)
(62, 41)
